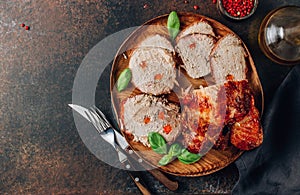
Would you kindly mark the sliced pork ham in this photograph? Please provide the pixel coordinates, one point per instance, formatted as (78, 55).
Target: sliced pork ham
(247, 134)
(153, 70)
(194, 51)
(157, 41)
(207, 110)
(228, 58)
(203, 118)
(201, 27)
(143, 114)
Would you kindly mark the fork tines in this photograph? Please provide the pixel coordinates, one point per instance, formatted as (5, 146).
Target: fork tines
(97, 110)
(99, 118)
(96, 121)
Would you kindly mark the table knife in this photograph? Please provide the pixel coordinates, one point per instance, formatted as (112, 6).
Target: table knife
(108, 135)
(171, 185)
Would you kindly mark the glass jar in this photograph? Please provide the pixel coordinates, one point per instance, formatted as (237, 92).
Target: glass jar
(279, 35)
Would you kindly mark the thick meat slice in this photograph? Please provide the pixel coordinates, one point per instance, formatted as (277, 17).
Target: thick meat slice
(201, 27)
(228, 57)
(238, 100)
(247, 133)
(157, 41)
(194, 51)
(205, 111)
(143, 114)
(242, 117)
(153, 70)
(203, 118)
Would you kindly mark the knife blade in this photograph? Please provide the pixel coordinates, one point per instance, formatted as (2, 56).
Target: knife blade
(82, 111)
(171, 185)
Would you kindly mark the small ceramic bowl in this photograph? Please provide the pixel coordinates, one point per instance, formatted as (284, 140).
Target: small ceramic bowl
(238, 15)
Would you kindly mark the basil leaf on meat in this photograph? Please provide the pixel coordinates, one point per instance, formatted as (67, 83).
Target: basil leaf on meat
(157, 143)
(173, 24)
(187, 157)
(123, 79)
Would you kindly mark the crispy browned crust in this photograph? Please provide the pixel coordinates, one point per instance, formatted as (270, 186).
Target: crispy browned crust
(200, 132)
(241, 117)
(247, 134)
(238, 100)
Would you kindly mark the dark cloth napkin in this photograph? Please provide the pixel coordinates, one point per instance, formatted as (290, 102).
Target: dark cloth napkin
(274, 167)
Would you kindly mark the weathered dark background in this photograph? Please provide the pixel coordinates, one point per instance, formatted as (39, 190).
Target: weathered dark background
(40, 149)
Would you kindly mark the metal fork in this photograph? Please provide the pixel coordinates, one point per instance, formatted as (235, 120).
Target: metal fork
(104, 128)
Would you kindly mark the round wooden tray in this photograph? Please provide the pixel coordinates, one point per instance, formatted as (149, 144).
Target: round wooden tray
(214, 160)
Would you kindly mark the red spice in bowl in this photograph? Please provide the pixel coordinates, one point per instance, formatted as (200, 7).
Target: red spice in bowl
(237, 9)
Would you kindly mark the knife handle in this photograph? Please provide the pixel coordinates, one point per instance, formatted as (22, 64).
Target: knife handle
(136, 176)
(138, 182)
(171, 185)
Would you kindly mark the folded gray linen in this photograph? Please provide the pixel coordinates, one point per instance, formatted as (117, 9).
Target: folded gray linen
(274, 167)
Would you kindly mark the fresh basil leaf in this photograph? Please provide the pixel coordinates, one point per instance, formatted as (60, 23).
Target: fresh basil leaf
(173, 24)
(124, 79)
(165, 160)
(175, 149)
(187, 157)
(157, 143)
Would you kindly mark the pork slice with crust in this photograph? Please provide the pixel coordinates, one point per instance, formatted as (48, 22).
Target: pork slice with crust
(247, 134)
(238, 100)
(203, 118)
(242, 117)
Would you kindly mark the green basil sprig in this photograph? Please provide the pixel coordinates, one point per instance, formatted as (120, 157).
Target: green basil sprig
(174, 151)
(187, 157)
(124, 79)
(173, 24)
(157, 143)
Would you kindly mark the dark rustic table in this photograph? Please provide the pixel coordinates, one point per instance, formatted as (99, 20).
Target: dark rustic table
(41, 151)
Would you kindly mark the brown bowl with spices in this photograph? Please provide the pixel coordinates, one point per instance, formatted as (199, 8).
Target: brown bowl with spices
(237, 9)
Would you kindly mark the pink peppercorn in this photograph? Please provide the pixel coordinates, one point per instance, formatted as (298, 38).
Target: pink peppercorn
(145, 6)
(238, 8)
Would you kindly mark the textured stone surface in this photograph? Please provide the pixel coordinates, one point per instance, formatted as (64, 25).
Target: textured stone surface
(40, 149)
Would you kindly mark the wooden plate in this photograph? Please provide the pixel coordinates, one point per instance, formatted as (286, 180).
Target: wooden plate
(215, 159)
